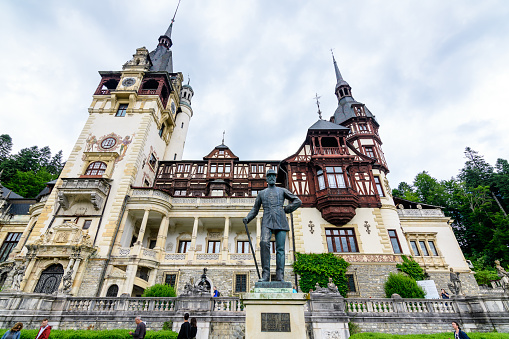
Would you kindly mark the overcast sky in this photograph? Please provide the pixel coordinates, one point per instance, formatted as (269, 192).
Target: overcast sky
(435, 73)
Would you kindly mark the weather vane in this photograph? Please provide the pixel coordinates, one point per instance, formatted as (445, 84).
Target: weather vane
(222, 142)
(188, 79)
(318, 104)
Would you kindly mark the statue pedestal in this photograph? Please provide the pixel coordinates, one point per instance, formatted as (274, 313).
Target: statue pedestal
(272, 314)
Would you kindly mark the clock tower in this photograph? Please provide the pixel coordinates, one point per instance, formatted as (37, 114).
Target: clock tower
(138, 116)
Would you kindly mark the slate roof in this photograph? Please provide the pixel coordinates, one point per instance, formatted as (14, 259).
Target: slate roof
(345, 110)
(4, 192)
(326, 125)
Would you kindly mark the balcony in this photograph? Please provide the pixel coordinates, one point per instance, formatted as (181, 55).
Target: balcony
(337, 205)
(83, 191)
(330, 151)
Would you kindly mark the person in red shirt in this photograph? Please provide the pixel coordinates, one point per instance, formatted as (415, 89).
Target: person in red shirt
(44, 330)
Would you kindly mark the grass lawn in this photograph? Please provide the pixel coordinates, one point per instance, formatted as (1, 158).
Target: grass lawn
(472, 335)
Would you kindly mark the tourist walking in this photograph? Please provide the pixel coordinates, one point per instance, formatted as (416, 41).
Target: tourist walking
(194, 329)
(458, 333)
(185, 328)
(14, 332)
(141, 329)
(44, 330)
(216, 292)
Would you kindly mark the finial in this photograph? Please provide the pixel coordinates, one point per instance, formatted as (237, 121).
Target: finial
(222, 142)
(188, 79)
(173, 19)
(318, 104)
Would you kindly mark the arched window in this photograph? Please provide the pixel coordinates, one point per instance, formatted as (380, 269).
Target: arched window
(50, 279)
(112, 291)
(96, 168)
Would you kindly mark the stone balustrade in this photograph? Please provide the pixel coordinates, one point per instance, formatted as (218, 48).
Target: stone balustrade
(363, 305)
(420, 213)
(398, 315)
(195, 201)
(229, 304)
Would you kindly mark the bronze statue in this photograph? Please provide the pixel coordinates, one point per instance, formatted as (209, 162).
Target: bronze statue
(274, 221)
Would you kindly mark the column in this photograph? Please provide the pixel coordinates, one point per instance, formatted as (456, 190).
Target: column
(224, 245)
(121, 229)
(28, 272)
(163, 233)
(258, 235)
(76, 283)
(192, 250)
(141, 233)
(19, 246)
(129, 282)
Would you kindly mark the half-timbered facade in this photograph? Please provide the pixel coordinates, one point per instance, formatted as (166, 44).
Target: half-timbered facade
(127, 212)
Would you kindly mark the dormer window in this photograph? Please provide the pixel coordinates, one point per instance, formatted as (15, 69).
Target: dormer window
(96, 168)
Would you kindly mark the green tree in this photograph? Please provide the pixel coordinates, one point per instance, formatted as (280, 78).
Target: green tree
(5, 146)
(411, 267)
(29, 184)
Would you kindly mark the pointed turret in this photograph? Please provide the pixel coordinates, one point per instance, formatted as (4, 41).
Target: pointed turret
(161, 57)
(342, 88)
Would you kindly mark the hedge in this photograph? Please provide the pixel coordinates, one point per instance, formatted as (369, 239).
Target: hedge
(95, 334)
(448, 335)
(403, 285)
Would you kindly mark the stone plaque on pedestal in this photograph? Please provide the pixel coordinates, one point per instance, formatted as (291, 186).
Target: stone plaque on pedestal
(270, 314)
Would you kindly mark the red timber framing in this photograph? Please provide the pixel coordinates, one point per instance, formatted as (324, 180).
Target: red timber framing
(329, 173)
(153, 83)
(220, 173)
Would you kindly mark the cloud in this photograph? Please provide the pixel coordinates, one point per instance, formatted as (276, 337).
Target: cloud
(434, 73)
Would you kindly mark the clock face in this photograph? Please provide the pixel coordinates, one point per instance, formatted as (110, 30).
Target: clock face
(108, 143)
(173, 107)
(128, 82)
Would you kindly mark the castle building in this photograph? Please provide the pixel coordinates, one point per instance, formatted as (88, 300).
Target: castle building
(128, 212)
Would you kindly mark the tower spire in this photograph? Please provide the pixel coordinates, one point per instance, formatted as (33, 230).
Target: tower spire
(339, 78)
(168, 31)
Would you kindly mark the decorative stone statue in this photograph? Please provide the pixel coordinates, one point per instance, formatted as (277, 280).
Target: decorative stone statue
(67, 281)
(274, 221)
(330, 289)
(502, 274)
(17, 278)
(455, 284)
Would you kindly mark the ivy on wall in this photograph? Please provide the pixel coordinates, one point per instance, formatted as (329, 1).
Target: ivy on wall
(317, 268)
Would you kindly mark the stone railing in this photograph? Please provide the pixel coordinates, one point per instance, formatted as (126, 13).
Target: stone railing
(412, 315)
(420, 213)
(230, 304)
(483, 290)
(85, 183)
(86, 305)
(358, 305)
(207, 256)
(195, 201)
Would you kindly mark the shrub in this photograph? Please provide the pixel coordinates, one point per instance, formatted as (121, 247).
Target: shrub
(484, 277)
(353, 328)
(317, 268)
(167, 325)
(403, 285)
(160, 290)
(412, 268)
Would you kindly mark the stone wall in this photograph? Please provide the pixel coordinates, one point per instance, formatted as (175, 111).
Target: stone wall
(222, 330)
(399, 328)
(468, 282)
(371, 278)
(91, 276)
